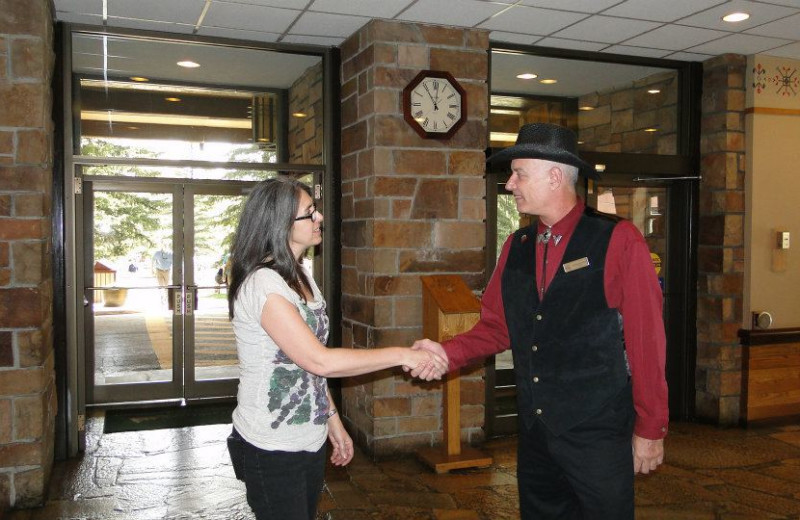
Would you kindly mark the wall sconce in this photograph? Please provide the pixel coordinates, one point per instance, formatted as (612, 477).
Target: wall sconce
(263, 120)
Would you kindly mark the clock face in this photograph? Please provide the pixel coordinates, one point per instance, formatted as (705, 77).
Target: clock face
(434, 104)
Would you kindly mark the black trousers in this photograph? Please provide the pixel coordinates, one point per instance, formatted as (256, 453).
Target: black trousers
(280, 485)
(585, 473)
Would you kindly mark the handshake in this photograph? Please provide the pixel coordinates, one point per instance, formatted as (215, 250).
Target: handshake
(426, 360)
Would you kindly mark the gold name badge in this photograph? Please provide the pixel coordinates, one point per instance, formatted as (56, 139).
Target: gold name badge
(580, 263)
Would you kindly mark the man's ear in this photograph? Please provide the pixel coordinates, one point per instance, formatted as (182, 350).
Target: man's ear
(555, 176)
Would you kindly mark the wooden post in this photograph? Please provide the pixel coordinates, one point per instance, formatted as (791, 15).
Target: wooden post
(449, 308)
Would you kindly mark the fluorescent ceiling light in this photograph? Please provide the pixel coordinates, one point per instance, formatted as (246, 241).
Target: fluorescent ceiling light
(164, 119)
(527, 75)
(586, 108)
(503, 136)
(188, 64)
(548, 81)
(654, 91)
(735, 17)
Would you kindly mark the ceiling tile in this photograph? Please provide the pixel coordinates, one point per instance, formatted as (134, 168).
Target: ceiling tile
(675, 37)
(531, 20)
(740, 44)
(636, 51)
(659, 10)
(787, 51)
(788, 3)
(464, 13)
(583, 6)
(249, 17)
(524, 39)
(91, 19)
(150, 25)
(562, 43)
(238, 34)
(318, 24)
(784, 28)
(80, 6)
(759, 14)
(606, 29)
(312, 40)
(688, 56)
(382, 9)
(180, 11)
(286, 4)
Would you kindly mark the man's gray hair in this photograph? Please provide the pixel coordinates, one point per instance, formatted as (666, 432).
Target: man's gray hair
(570, 172)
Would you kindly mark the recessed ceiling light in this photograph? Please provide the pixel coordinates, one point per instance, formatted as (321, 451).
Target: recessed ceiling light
(173, 99)
(586, 108)
(527, 75)
(548, 81)
(189, 64)
(299, 114)
(654, 91)
(735, 17)
(139, 78)
(133, 128)
(651, 129)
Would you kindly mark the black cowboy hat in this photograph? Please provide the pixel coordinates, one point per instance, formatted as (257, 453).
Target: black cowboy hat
(546, 141)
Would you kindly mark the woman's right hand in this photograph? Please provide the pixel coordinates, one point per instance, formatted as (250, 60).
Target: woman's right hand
(424, 364)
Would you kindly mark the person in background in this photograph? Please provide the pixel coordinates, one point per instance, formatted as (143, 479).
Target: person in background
(162, 263)
(576, 298)
(284, 409)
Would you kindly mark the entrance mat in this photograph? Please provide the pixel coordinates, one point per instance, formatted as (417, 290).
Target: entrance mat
(159, 418)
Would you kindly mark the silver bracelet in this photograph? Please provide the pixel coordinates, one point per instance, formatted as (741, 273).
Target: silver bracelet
(332, 413)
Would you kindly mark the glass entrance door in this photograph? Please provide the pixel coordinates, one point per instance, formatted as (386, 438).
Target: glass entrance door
(155, 290)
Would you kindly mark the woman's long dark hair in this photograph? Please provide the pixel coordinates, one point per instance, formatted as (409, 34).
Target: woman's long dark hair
(262, 236)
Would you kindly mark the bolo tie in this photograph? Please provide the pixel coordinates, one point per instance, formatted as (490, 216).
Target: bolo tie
(544, 238)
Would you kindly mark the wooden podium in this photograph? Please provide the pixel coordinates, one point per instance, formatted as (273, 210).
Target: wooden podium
(449, 308)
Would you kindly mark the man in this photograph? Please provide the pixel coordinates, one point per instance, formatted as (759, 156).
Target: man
(162, 263)
(576, 298)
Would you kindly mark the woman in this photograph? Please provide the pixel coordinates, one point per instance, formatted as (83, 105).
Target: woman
(284, 411)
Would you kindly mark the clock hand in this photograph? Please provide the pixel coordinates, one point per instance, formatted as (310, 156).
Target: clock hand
(435, 104)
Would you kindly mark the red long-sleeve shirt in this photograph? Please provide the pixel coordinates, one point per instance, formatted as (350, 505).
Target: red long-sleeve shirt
(631, 286)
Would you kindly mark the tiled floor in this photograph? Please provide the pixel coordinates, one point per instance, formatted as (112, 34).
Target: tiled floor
(710, 473)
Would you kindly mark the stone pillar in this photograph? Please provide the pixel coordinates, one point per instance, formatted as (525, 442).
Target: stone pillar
(410, 207)
(27, 380)
(721, 240)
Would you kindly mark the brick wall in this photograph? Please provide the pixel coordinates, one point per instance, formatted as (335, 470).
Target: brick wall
(306, 133)
(721, 240)
(27, 384)
(410, 207)
(618, 118)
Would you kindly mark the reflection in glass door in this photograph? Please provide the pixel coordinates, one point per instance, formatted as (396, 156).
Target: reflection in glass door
(156, 324)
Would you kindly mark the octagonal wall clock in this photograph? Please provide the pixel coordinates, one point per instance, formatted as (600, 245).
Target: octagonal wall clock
(434, 104)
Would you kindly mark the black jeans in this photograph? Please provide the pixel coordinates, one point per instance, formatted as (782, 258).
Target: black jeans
(282, 485)
(585, 473)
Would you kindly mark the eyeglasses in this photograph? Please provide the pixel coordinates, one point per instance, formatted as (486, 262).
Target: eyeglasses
(312, 215)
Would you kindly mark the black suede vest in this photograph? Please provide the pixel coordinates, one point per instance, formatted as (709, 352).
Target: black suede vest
(568, 349)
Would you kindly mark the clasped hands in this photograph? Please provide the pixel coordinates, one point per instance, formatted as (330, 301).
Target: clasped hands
(426, 360)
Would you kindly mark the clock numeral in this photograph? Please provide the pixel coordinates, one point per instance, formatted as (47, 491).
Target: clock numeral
(436, 86)
(452, 106)
(452, 116)
(418, 114)
(425, 123)
(451, 96)
(418, 104)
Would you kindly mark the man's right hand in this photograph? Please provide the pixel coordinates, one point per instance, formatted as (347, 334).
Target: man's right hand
(430, 371)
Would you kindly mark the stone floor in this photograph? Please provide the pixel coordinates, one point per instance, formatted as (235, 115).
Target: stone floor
(185, 473)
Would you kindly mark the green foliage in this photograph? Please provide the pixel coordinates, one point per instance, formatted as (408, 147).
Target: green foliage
(507, 219)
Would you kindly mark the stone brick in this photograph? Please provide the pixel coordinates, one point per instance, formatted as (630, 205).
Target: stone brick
(473, 210)
(29, 205)
(459, 235)
(389, 446)
(472, 188)
(394, 186)
(379, 30)
(350, 111)
(6, 349)
(29, 413)
(30, 487)
(5, 205)
(420, 162)
(391, 407)
(33, 347)
(21, 229)
(402, 285)
(5, 491)
(734, 230)
(24, 178)
(6, 142)
(21, 307)
(402, 234)
(6, 423)
(28, 258)
(709, 259)
(401, 209)
(462, 64)
(27, 58)
(23, 17)
(21, 454)
(412, 56)
(22, 105)
(397, 336)
(359, 308)
(356, 233)
(354, 137)
(467, 163)
(407, 312)
(437, 261)
(417, 424)
(389, 76)
(436, 199)
(386, 101)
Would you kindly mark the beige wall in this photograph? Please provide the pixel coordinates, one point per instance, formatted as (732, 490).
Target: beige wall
(772, 276)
